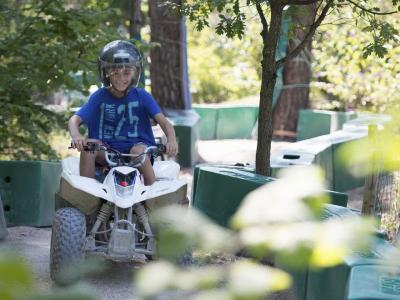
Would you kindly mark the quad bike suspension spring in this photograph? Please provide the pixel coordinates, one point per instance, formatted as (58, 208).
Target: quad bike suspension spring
(141, 213)
(105, 212)
(103, 216)
(142, 216)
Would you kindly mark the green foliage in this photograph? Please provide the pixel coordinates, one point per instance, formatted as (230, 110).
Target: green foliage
(44, 47)
(349, 78)
(223, 69)
(355, 60)
(230, 21)
(349, 66)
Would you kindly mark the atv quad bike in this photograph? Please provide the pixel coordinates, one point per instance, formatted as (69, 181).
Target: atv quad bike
(109, 215)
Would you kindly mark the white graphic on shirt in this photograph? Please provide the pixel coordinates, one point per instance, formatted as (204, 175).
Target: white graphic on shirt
(121, 112)
(113, 119)
(133, 119)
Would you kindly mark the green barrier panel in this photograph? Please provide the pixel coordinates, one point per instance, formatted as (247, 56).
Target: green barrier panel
(312, 123)
(27, 190)
(330, 283)
(208, 121)
(356, 129)
(186, 125)
(343, 180)
(218, 191)
(337, 211)
(226, 122)
(373, 282)
(322, 151)
(301, 279)
(236, 122)
(364, 119)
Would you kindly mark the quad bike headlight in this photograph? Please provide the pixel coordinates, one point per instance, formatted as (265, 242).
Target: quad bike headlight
(124, 183)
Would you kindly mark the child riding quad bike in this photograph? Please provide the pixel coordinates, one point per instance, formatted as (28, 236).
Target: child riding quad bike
(110, 217)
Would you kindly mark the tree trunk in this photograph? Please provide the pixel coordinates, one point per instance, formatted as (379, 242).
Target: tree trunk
(296, 80)
(168, 68)
(135, 22)
(387, 204)
(270, 40)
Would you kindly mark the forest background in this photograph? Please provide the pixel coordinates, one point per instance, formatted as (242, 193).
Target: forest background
(49, 57)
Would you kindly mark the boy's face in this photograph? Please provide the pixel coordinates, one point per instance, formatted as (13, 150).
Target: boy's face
(121, 78)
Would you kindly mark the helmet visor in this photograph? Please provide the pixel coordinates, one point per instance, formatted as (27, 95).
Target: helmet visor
(122, 72)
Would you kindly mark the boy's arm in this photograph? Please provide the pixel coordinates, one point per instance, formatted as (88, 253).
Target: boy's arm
(77, 140)
(171, 146)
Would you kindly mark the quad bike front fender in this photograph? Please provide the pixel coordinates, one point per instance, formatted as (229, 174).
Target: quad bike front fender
(166, 192)
(88, 185)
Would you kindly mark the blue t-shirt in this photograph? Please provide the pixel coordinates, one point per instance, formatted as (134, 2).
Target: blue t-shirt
(120, 122)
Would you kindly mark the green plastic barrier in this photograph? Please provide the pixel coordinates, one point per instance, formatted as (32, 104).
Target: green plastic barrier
(342, 178)
(218, 190)
(373, 282)
(27, 190)
(236, 122)
(330, 283)
(363, 120)
(337, 211)
(186, 125)
(322, 151)
(312, 123)
(226, 122)
(208, 121)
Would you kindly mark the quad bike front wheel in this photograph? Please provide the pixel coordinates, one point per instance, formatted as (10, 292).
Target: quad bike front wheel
(67, 247)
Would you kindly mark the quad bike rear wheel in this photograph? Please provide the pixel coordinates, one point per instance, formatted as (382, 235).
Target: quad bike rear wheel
(67, 247)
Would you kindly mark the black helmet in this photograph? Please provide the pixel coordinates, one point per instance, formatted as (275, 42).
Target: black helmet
(119, 54)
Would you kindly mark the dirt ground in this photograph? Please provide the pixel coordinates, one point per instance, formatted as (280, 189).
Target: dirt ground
(33, 244)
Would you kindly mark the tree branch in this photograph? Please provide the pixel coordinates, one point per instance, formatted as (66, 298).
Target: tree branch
(262, 18)
(300, 2)
(308, 36)
(370, 11)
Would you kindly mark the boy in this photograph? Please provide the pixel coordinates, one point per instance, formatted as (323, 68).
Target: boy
(119, 113)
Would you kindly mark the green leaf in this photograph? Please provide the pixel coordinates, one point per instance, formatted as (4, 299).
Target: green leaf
(16, 278)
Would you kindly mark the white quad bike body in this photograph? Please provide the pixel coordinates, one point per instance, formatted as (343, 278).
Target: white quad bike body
(120, 228)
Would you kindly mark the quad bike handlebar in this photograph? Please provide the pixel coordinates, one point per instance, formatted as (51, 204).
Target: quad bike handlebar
(115, 158)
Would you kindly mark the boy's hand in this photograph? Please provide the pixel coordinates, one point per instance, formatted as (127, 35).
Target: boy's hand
(78, 142)
(171, 148)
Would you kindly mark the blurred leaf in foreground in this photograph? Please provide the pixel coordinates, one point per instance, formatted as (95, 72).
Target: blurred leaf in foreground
(181, 229)
(283, 200)
(279, 221)
(363, 156)
(15, 277)
(240, 280)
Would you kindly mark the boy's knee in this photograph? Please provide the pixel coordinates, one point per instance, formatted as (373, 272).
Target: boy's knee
(138, 149)
(86, 155)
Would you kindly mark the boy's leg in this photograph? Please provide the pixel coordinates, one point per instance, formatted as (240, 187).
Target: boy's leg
(87, 162)
(146, 169)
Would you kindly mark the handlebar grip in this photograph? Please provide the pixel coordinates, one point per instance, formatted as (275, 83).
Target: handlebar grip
(162, 148)
(90, 146)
